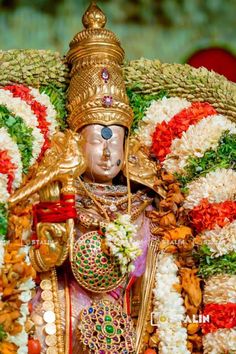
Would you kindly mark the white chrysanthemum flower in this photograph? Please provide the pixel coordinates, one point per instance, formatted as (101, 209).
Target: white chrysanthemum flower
(20, 108)
(159, 111)
(217, 186)
(23, 350)
(221, 341)
(220, 289)
(44, 100)
(7, 143)
(4, 195)
(221, 240)
(27, 285)
(168, 308)
(20, 339)
(25, 296)
(208, 132)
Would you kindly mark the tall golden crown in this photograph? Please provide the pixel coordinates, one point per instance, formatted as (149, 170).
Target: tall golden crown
(97, 92)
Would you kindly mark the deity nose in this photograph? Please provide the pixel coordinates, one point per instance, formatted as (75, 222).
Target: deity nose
(106, 153)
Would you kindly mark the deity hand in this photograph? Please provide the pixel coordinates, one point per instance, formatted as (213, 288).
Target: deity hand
(52, 246)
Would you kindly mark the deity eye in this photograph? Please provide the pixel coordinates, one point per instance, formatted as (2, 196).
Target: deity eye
(106, 133)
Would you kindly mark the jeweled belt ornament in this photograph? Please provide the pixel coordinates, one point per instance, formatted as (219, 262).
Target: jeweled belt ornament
(106, 329)
(93, 269)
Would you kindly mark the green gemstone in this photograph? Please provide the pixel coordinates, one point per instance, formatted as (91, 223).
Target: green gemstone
(109, 329)
(86, 261)
(91, 282)
(119, 331)
(97, 261)
(78, 262)
(79, 254)
(98, 328)
(107, 283)
(87, 267)
(88, 250)
(97, 244)
(85, 277)
(108, 340)
(81, 270)
(82, 247)
(100, 277)
(95, 237)
(86, 255)
(87, 241)
(108, 318)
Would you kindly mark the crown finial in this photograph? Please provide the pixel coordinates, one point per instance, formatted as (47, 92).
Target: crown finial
(94, 17)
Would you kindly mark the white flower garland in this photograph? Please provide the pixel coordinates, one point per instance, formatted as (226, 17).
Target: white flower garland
(220, 289)
(20, 108)
(168, 309)
(159, 111)
(120, 239)
(217, 186)
(221, 240)
(4, 195)
(44, 100)
(7, 143)
(196, 141)
(221, 341)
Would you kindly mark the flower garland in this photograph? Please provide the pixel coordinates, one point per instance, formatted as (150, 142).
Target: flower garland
(217, 186)
(120, 240)
(168, 309)
(7, 167)
(23, 92)
(220, 289)
(15, 259)
(51, 113)
(209, 131)
(16, 138)
(206, 216)
(224, 156)
(221, 341)
(200, 147)
(166, 133)
(20, 108)
(158, 112)
(221, 316)
(220, 241)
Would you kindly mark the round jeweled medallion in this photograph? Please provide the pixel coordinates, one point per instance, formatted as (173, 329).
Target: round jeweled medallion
(92, 268)
(105, 328)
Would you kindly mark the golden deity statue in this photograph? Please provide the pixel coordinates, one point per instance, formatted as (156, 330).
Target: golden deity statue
(83, 302)
(117, 234)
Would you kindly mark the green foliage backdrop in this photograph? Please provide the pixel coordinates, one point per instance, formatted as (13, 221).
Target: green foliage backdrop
(166, 29)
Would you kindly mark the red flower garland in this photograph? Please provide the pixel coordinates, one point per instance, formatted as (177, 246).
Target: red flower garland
(207, 215)
(7, 167)
(39, 110)
(165, 133)
(220, 315)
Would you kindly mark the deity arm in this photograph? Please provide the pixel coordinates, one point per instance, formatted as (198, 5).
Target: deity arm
(54, 184)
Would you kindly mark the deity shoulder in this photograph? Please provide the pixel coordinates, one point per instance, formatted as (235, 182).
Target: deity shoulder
(141, 168)
(62, 161)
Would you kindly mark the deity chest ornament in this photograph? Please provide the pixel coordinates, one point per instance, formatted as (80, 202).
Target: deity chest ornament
(97, 92)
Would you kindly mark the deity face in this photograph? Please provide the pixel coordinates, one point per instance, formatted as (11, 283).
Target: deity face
(104, 152)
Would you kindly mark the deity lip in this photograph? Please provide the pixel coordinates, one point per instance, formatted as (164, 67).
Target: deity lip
(105, 167)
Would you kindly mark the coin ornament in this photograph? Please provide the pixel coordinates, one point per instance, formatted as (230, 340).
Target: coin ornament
(93, 269)
(106, 329)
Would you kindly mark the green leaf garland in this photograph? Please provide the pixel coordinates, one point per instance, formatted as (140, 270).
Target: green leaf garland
(223, 157)
(3, 221)
(140, 102)
(20, 133)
